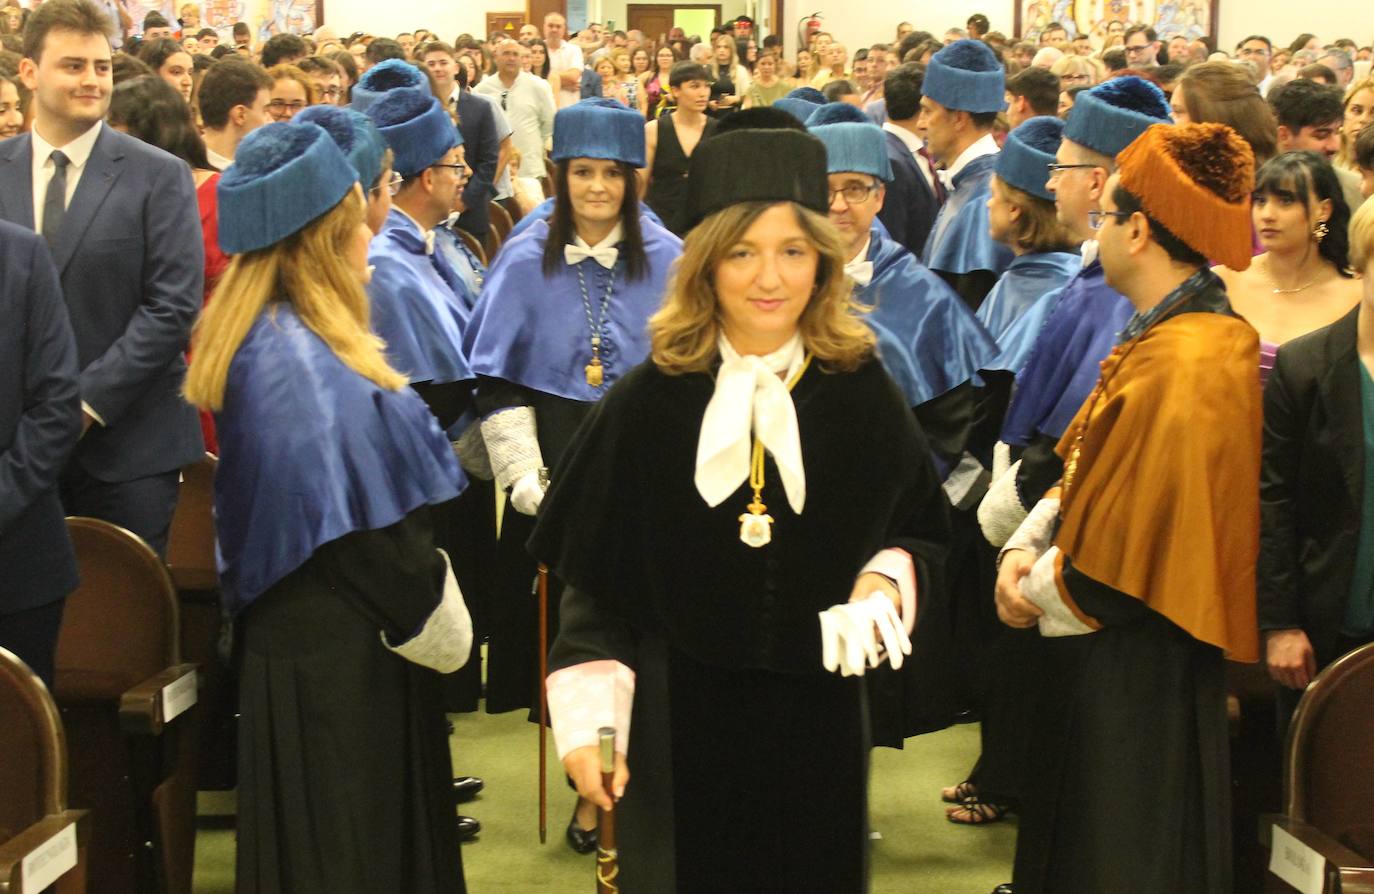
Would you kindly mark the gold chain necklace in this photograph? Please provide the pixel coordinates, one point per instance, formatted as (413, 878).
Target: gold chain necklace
(1269, 272)
(756, 525)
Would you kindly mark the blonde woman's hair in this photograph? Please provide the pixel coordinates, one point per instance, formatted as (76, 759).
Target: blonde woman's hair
(1038, 228)
(685, 331)
(1362, 238)
(287, 72)
(306, 270)
(1346, 156)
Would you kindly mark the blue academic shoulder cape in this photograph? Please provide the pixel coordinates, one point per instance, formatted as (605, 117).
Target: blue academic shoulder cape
(1016, 308)
(544, 210)
(311, 451)
(417, 306)
(531, 330)
(1063, 366)
(465, 264)
(928, 339)
(959, 242)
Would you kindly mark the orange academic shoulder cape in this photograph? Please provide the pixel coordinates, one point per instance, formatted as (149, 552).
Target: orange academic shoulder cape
(1164, 503)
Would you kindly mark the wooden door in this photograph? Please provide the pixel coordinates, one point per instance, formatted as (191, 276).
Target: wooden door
(505, 23)
(655, 21)
(535, 10)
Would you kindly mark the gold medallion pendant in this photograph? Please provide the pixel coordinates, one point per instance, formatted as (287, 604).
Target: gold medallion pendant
(755, 526)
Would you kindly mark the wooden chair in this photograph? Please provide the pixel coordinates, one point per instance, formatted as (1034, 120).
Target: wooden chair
(472, 243)
(491, 243)
(1328, 778)
(205, 633)
(41, 841)
(128, 704)
(512, 208)
(501, 220)
(550, 173)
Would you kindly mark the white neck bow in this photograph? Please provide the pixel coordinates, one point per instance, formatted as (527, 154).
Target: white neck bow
(751, 399)
(604, 252)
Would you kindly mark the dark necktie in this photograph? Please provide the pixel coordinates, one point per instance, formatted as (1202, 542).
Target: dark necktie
(934, 175)
(55, 202)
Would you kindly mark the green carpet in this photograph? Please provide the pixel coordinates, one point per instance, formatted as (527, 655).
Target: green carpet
(919, 851)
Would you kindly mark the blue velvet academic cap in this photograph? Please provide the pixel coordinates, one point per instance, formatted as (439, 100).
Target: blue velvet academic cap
(382, 78)
(1110, 116)
(854, 147)
(810, 94)
(599, 128)
(355, 134)
(283, 177)
(1025, 159)
(798, 108)
(417, 129)
(836, 112)
(966, 76)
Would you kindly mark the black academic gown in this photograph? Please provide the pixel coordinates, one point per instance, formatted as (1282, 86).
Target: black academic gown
(331, 721)
(748, 760)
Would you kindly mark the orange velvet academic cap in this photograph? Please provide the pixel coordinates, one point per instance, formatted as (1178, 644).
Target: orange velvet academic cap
(1196, 180)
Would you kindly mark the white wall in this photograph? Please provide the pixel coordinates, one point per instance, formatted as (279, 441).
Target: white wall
(859, 22)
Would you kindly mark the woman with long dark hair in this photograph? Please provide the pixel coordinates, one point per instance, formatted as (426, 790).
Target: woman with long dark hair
(1302, 280)
(562, 317)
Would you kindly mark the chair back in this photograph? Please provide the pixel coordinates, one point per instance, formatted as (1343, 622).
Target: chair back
(471, 242)
(500, 218)
(33, 771)
(121, 625)
(1328, 772)
(191, 541)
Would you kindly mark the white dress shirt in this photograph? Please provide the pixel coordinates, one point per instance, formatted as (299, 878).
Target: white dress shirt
(984, 145)
(914, 145)
(567, 56)
(217, 161)
(78, 152)
(529, 110)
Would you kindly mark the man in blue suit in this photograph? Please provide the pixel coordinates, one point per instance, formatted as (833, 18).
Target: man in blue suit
(40, 420)
(120, 219)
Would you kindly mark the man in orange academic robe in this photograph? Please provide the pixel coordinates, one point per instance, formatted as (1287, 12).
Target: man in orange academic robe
(1141, 564)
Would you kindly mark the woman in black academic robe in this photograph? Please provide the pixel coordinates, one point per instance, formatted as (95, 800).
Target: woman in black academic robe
(708, 617)
(329, 470)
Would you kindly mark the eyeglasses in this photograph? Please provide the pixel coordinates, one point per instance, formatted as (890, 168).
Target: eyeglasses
(392, 185)
(1140, 48)
(1057, 169)
(279, 107)
(854, 194)
(1097, 218)
(330, 92)
(459, 169)
(1075, 78)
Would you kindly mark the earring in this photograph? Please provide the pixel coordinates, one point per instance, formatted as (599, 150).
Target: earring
(1320, 231)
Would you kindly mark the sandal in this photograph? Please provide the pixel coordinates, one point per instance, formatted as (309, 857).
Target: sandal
(958, 794)
(974, 812)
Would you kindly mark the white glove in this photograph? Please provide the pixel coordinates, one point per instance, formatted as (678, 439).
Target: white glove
(855, 635)
(526, 494)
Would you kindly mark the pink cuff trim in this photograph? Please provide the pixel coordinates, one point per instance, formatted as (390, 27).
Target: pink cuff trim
(897, 564)
(585, 697)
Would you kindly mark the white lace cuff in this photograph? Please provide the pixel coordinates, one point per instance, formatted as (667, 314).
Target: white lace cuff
(445, 640)
(898, 565)
(1043, 586)
(1001, 513)
(512, 444)
(1036, 533)
(585, 697)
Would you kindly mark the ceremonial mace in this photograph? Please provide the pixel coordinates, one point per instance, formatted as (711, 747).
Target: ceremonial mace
(607, 858)
(543, 588)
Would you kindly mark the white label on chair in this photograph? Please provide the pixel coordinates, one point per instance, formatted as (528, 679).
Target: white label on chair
(178, 695)
(1296, 863)
(46, 863)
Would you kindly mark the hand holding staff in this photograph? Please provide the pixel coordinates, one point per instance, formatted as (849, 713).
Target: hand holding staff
(607, 858)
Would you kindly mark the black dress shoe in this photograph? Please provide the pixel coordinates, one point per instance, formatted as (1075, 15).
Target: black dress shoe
(465, 788)
(581, 840)
(1004, 888)
(468, 828)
